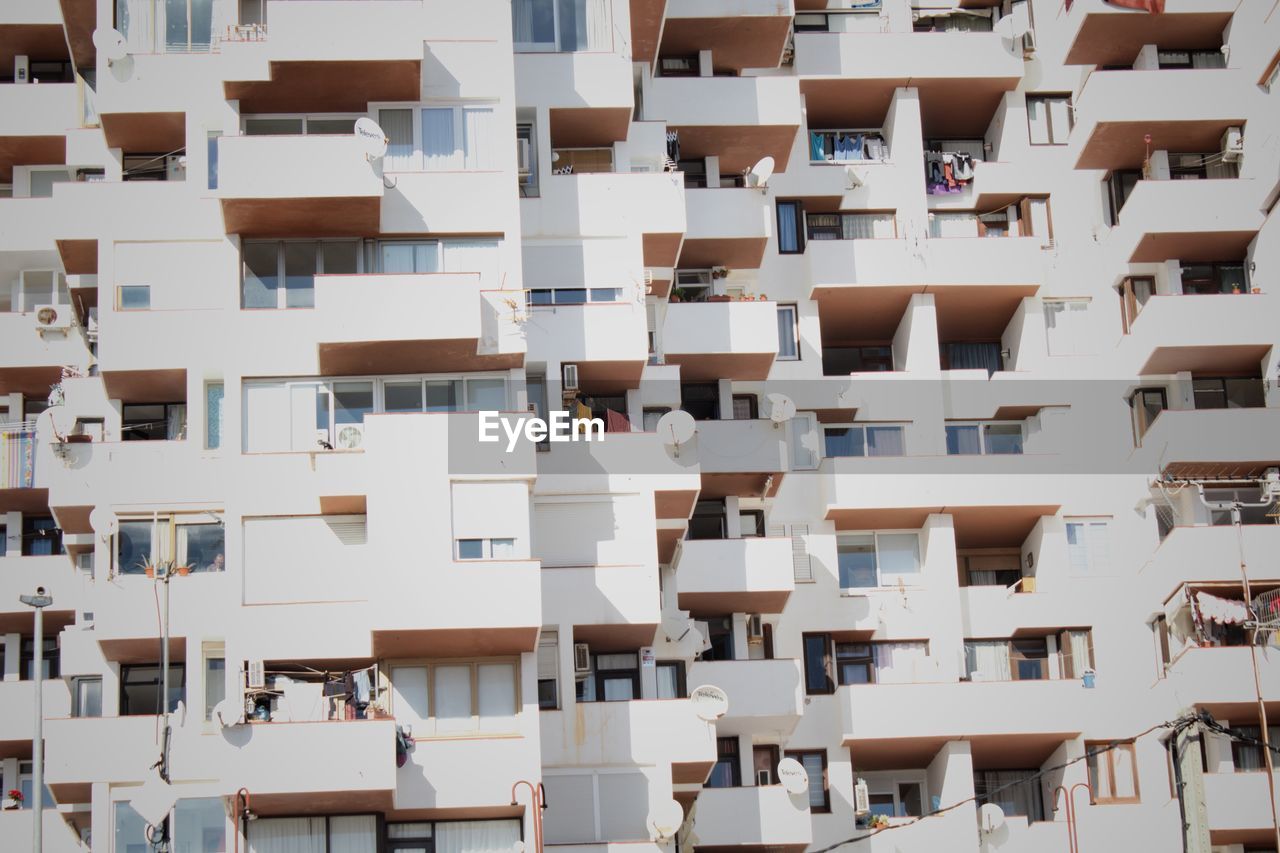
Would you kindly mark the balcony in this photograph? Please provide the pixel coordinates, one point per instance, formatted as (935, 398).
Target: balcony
(745, 33)
(607, 204)
(1171, 322)
(1116, 109)
(430, 779)
(1210, 442)
(728, 227)
(1098, 33)
(751, 575)
(619, 602)
(17, 711)
(59, 836)
(57, 574)
(1166, 220)
(721, 340)
(647, 731)
(943, 262)
(1239, 807)
(741, 457)
(37, 120)
(1209, 554)
(765, 696)
(33, 359)
(922, 58)
(752, 818)
(994, 611)
(315, 186)
(463, 202)
(738, 119)
(589, 79)
(607, 340)
(602, 465)
(1221, 678)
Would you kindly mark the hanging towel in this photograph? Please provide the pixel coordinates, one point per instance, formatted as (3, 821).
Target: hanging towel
(817, 147)
(1222, 610)
(948, 170)
(964, 167)
(616, 421)
(855, 152)
(361, 679)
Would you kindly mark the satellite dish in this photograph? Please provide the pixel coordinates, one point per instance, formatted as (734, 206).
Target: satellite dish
(111, 44)
(373, 142)
(1008, 28)
(63, 419)
(666, 819)
(709, 702)
(853, 181)
(759, 174)
(793, 776)
(675, 627)
(228, 712)
(153, 801)
(104, 522)
(676, 427)
(991, 817)
(783, 408)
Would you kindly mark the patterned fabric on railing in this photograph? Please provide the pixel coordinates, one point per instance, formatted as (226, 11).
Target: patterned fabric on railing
(17, 459)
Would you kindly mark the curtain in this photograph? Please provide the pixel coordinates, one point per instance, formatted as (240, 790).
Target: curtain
(899, 663)
(1218, 170)
(988, 657)
(1078, 642)
(476, 836)
(787, 331)
(521, 22)
(452, 687)
(161, 540)
(478, 138)
(1014, 791)
(398, 126)
(134, 18)
(410, 257)
(788, 227)
(953, 225)
(983, 577)
(479, 256)
(439, 149)
(287, 835)
(176, 422)
(597, 25)
(497, 694)
(353, 834)
(1208, 59)
(984, 356)
(573, 24)
(213, 393)
(884, 441)
(866, 226)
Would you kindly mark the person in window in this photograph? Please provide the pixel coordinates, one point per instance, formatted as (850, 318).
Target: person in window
(217, 565)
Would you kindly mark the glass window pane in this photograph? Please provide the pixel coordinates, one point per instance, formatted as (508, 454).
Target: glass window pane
(486, 395)
(619, 689)
(135, 297)
(215, 684)
(443, 394)
(843, 441)
(606, 294)
(88, 697)
(300, 272)
(787, 331)
(668, 681)
(261, 274)
(898, 554)
(856, 556)
(1060, 120)
(533, 22)
(202, 547)
(884, 441)
(812, 762)
(273, 127)
(438, 146)
(478, 141)
(402, 396)
(470, 549)
(351, 402)
(398, 126)
(570, 296)
(131, 830)
(1003, 438)
(133, 546)
(452, 694)
(340, 258)
(502, 549)
(497, 690)
(1038, 121)
(963, 440)
(331, 126)
(213, 394)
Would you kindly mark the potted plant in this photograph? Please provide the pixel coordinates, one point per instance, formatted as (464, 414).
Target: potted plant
(1256, 290)
(1235, 288)
(183, 571)
(148, 565)
(13, 800)
(879, 821)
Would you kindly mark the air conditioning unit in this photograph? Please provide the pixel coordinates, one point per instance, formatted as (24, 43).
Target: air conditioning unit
(257, 675)
(84, 563)
(53, 318)
(755, 628)
(581, 658)
(861, 797)
(523, 158)
(763, 777)
(349, 436)
(569, 378)
(22, 69)
(1232, 145)
(84, 619)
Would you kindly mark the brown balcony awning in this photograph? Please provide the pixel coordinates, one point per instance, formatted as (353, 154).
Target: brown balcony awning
(740, 41)
(145, 133)
(342, 86)
(1226, 360)
(30, 151)
(1115, 37)
(646, 28)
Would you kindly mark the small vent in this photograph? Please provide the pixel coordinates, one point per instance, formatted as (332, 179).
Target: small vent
(353, 531)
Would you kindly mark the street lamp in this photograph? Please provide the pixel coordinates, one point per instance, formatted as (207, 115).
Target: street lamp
(39, 601)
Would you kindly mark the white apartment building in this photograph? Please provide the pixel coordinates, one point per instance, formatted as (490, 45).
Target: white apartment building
(934, 342)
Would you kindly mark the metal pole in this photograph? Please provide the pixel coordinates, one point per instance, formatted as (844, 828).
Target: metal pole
(37, 743)
(164, 681)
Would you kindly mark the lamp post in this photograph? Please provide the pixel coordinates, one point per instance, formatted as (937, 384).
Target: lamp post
(537, 802)
(39, 601)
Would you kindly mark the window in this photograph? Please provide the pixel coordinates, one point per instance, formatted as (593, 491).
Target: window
(549, 669)
(790, 233)
(133, 297)
(613, 678)
(50, 658)
(1191, 59)
(1214, 278)
(841, 361)
(140, 688)
(708, 521)
(877, 559)
(299, 125)
(215, 677)
(196, 541)
(854, 663)
(984, 569)
(1016, 792)
(573, 295)
(810, 23)
(1029, 659)
(814, 762)
(213, 396)
(1232, 392)
(1088, 546)
(701, 399)
(26, 784)
(985, 355)
(818, 664)
(153, 422)
(1066, 326)
(852, 226)
(788, 333)
(1246, 755)
(861, 662)
(86, 696)
(41, 536)
(486, 549)
(561, 25)
(1075, 652)
(988, 439)
(751, 523)
(1049, 119)
(727, 772)
(527, 158)
(1146, 404)
(746, 407)
(458, 138)
(457, 696)
(295, 263)
(671, 680)
(863, 441)
(1272, 74)
(1113, 773)
(587, 806)
(463, 836)
(211, 153)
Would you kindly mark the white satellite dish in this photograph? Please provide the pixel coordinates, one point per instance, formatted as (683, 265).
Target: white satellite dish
(228, 712)
(991, 817)
(676, 427)
(111, 44)
(666, 819)
(1009, 28)
(675, 627)
(373, 141)
(793, 776)
(852, 179)
(709, 702)
(104, 522)
(153, 801)
(759, 174)
(783, 409)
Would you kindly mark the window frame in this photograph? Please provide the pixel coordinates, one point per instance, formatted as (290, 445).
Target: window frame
(282, 289)
(682, 687)
(1087, 524)
(799, 755)
(77, 706)
(1044, 99)
(486, 547)
(1094, 764)
(418, 156)
(431, 720)
(863, 428)
(794, 323)
(172, 520)
(127, 669)
(876, 534)
(983, 442)
(800, 225)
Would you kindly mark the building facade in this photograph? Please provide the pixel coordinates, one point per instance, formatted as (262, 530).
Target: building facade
(891, 460)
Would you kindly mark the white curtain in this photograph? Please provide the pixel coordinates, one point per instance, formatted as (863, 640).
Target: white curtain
(497, 696)
(353, 834)
(474, 256)
(161, 540)
(477, 836)
(287, 835)
(398, 126)
(409, 695)
(452, 686)
(1079, 643)
(899, 663)
(597, 15)
(866, 226)
(478, 138)
(988, 657)
(176, 423)
(439, 149)
(1014, 792)
(1208, 59)
(522, 21)
(136, 23)
(953, 225)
